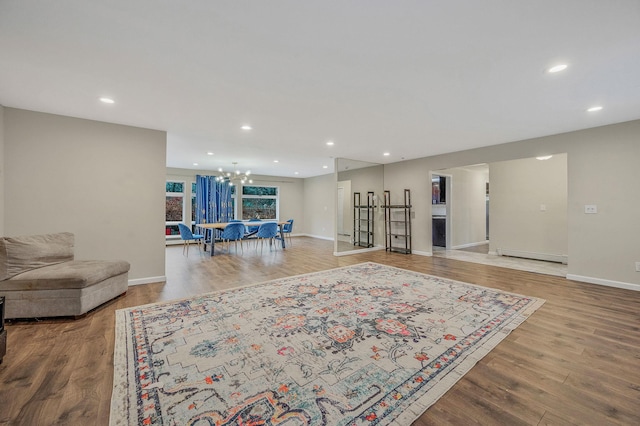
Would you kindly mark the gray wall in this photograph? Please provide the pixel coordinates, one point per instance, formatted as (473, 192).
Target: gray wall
(320, 206)
(602, 169)
(520, 190)
(103, 182)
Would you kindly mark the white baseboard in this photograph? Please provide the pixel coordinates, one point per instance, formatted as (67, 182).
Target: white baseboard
(363, 250)
(600, 281)
(317, 236)
(422, 253)
(560, 258)
(148, 280)
(479, 243)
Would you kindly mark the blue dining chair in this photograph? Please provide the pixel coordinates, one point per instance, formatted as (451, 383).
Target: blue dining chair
(287, 228)
(234, 231)
(267, 230)
(187, 236)
(253, 229)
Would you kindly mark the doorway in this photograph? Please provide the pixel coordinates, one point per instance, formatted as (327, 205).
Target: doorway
(439, 211)
(460, 207)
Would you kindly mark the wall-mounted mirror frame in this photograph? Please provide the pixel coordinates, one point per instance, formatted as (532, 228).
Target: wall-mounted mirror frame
(354, 176)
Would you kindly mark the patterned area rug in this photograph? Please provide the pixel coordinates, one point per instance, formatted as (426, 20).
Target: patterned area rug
(361, 345)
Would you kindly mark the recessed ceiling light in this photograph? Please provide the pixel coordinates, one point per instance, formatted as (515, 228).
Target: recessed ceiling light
(295, 173)
(107, 100)
(386, 154)
(594, 109)
(275, 161)
(557, 68)
(195, 164)
(330, 143)
(325, 167)
(544, 157)
(209, 153)
(246, 127)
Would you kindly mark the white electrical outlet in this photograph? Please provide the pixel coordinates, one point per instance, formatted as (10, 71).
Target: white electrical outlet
(637, 266)
(590, 209)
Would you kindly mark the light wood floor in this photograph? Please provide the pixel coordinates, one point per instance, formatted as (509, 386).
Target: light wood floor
(575, 361)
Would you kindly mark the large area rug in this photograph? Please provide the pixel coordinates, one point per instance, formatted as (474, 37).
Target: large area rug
(360, 345)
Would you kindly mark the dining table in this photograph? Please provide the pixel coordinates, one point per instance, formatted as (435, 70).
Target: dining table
(219, 226)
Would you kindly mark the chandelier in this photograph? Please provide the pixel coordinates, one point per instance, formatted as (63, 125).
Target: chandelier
(234, 177)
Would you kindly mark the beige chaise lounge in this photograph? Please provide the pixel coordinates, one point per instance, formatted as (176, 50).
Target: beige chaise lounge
(40, 278)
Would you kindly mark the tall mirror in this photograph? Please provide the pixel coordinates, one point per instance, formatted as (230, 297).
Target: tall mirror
(359, 213)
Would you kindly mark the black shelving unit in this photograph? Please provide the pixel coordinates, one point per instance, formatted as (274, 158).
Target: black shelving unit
(363, 220)
(397, 224)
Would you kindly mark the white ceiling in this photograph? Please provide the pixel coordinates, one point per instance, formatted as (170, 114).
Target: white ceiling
(414, 78)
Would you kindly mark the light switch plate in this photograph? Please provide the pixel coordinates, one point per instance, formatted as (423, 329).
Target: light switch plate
(637, 266)
(590, 209)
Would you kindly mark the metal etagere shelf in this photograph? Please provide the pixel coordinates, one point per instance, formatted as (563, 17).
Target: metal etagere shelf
(363, 220)
(397, 224)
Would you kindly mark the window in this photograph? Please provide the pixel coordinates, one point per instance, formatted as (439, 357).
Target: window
(174, 208)
(259, 202)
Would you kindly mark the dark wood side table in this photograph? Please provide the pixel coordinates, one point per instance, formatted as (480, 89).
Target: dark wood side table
(3, 332)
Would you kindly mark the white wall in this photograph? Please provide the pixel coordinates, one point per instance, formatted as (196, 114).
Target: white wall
(602, 169)
(320, 206)
(520, 190)
(103, 182)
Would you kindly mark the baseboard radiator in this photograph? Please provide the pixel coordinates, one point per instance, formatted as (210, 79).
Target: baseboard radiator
(559, 258)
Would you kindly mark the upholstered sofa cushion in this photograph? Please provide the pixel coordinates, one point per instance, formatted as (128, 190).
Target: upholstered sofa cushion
(67, 275)
(22, 254)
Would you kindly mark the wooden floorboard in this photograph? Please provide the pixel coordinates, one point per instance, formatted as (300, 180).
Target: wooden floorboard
(575, 361)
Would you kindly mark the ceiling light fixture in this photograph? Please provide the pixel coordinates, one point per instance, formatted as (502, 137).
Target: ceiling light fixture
(325, 167)
(544, 157)
(275, 161)
(557, 68)
(195, 164)
(246, 127)
(232, 178)
(594, 109)
(209, 153)
(330, 143)
(386, 154)
(107, 100)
